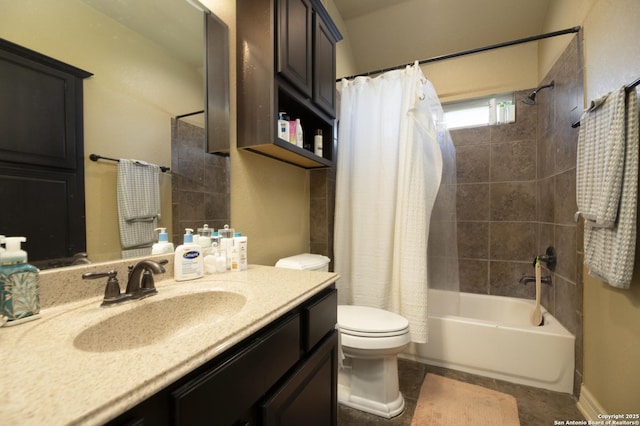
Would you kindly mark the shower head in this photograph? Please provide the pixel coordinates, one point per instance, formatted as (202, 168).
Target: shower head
(531, 99)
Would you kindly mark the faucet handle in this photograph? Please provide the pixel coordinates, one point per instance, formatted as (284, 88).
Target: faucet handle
(112, 290)
(148, 283)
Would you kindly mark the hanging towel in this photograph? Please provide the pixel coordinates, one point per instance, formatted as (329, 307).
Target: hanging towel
(601, 157)
(610, 252)
(138, 193)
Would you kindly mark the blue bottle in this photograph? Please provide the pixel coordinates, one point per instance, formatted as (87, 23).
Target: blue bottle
(19, 297)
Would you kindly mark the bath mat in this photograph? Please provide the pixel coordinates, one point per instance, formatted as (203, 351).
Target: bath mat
(448, 402)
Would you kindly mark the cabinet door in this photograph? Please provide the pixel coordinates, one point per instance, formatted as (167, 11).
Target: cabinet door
(309, 396)
(294, 46)
(324, 67)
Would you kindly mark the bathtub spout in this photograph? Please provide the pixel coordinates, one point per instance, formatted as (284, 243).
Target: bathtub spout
(526, 279)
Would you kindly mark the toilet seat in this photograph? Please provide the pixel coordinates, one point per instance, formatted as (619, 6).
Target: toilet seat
(364, 321)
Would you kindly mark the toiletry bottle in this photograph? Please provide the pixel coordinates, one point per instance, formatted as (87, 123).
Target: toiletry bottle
(163, 246)
(283, 126)
(240, 242)
(293, 131)
(188, 261)
(19, 297)
(235, 257)
(511, 112)
(226, 243)
(317, 143)
(299, 135)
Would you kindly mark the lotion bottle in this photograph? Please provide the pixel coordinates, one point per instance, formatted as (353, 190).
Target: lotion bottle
(317, 143)
(188, 261)
(283, 127)
(240, 243)
(299, 134)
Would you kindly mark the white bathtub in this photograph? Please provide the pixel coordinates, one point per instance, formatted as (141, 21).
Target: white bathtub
(492, 337)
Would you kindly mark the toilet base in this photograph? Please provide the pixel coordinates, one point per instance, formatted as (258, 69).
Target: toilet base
(371, 385)
(386, 410)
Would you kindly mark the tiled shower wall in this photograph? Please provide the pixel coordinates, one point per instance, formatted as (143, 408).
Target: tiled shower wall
(516, 197)
(200, 182)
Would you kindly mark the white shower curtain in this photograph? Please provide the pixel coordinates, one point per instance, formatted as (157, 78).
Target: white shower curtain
(388, 173)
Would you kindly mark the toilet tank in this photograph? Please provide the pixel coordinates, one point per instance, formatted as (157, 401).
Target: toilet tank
(306, 261)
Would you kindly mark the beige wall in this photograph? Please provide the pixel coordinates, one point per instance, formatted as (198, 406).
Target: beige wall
(126, 115)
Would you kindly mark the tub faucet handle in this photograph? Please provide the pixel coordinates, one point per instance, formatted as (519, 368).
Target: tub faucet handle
(549, 258)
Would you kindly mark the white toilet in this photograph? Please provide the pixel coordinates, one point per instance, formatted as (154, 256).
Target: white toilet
(370, 340)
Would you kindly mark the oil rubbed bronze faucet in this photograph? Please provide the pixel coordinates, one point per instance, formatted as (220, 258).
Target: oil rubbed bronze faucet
(526, 279)
(140, 283)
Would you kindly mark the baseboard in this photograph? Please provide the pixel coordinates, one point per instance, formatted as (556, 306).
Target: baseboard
(589, 405)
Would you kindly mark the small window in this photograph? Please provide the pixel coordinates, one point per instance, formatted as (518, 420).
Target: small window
(488, 110)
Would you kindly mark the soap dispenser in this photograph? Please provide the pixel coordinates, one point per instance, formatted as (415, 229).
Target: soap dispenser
(163, 246)
(19, 297)
(188, 260)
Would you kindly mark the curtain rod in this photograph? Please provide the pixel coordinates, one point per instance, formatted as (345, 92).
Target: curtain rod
(96, 157)
(469, 52)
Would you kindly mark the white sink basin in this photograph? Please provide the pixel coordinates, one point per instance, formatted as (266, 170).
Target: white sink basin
(153, 321)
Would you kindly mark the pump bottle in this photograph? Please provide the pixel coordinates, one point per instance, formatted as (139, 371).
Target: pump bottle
(163, 246)
(19, 297)
(188, 260)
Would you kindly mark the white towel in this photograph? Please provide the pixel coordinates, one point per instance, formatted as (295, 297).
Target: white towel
(600, 161)
(138, 193)
(610, 252)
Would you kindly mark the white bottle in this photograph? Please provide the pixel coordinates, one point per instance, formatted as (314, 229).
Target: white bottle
(188, 261)
(317, 143)
(240, 242)
(299, 135)
(235, 259)
(163, 246)
(283, 127)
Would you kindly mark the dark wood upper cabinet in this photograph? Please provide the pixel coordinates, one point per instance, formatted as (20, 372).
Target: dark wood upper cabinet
(286, 63)
(218, 129)
(324, 67)
(41, 153)
(294, 48)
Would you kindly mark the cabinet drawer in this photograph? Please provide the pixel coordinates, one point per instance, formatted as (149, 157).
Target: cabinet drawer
(219, 396)
(319, 318)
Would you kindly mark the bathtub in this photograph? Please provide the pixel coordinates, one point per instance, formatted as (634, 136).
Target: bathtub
(492, 337)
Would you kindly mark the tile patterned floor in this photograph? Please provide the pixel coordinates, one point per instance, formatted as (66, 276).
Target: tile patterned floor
(536, 407)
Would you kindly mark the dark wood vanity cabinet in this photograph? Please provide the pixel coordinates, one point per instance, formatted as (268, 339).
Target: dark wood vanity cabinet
(284, 374)
(286, 63)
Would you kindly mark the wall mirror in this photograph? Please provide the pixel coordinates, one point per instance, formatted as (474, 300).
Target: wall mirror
(147, 60)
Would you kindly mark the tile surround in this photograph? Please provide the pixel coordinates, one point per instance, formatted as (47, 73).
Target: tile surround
(518, 181)
(200, 182)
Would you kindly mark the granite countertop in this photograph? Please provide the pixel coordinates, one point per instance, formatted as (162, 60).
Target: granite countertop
(46, 379)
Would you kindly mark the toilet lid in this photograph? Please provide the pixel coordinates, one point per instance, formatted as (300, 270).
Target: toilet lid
(364, 320)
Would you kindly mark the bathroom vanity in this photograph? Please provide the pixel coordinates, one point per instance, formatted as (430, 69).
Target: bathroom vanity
(284, 374)
(251, 347)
